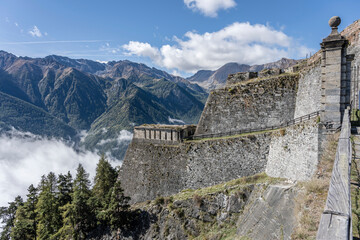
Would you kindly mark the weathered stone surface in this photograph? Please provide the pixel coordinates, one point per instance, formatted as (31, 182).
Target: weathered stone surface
(150, 170)
(257, 104)
(270, 216)
(240, 77)
(294, 153)
(308, 99)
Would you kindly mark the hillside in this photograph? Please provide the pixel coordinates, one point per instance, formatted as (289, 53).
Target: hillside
(80, 94)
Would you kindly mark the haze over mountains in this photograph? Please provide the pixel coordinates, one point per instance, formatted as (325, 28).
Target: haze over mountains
(60, 97)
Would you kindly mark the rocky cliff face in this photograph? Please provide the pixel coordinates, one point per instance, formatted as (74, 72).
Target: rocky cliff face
(227, 211)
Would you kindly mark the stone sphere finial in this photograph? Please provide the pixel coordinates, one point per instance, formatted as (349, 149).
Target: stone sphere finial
(334, 22)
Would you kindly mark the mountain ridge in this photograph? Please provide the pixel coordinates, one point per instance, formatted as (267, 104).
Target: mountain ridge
(209, 79)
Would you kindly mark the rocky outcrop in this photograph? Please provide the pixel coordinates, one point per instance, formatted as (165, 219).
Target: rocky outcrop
(227, 211)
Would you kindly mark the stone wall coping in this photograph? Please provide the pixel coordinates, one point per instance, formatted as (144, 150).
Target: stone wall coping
(163, 127)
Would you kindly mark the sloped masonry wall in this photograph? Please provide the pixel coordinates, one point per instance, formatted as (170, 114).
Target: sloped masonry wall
(308, 98)
(294, 152)
(150, 170)
(249, 105)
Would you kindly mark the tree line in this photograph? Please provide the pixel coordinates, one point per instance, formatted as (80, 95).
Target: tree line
(61, 207)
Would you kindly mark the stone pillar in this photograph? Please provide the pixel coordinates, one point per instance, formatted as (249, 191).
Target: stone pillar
(333, 76)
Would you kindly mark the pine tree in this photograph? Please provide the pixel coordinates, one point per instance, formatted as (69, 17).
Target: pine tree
(83, 215)
(48, 215)
(118, 207)
(104, 181)
(67, 231)
(25, 221)
(22, 225)
(7, 215)
(65, 189)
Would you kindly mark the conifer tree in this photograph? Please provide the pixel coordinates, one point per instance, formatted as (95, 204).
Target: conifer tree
(65, 189)
(48, 215)
(7, 215)
(83, 215)
(67, 231)
(118, 207)
(25, 221)
(104, 181)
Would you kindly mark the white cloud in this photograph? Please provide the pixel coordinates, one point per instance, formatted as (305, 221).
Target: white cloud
(142, 49)
(209, 7)
(24, 158)
(124, 136)
(16, 24)
(174, 120)
(35, 32)
(238, 42)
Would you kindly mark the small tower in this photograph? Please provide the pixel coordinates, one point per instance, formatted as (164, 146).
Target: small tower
(335, 81)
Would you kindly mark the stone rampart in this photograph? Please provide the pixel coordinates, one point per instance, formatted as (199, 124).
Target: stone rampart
(250, 105)
(150, 170)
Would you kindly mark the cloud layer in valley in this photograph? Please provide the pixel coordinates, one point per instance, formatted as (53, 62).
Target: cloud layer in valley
(24, 158)
(239, 42)
(209, 7)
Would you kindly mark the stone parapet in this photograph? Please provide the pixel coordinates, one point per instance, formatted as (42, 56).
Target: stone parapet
(163, 133)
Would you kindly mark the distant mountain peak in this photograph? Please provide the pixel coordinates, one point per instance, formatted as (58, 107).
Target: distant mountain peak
(215, 79)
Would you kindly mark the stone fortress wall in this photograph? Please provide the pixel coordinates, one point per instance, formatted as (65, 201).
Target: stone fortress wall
(164, 168)
(154, 166)
(250, 104)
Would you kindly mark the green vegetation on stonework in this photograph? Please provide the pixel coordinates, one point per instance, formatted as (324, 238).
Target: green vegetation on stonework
(253, 80)
(227, 187)
(355, 117)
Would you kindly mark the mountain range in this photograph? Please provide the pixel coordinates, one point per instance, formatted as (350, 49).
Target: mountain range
(62, 97)
(215, 79)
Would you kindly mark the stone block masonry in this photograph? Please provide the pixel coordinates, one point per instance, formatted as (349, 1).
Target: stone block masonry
(250, 105)
(308, 99)
(294, 152)
(150, 170)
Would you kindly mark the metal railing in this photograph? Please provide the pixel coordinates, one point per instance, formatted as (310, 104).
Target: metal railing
(335, 222)
(250, 130)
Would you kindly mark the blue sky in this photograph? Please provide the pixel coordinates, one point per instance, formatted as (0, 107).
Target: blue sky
(179, 36)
